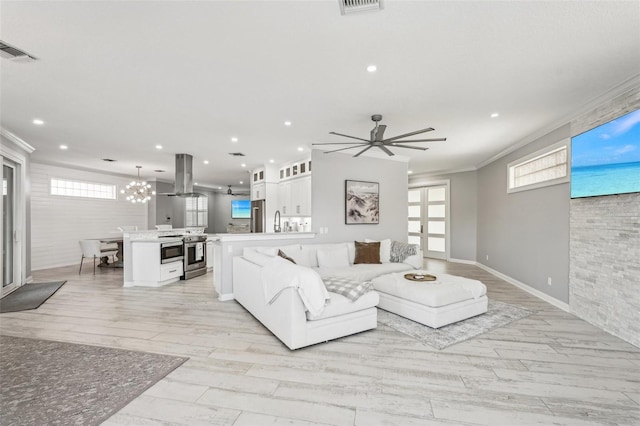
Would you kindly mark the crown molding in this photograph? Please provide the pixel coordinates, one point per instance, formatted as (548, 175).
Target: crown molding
(16, 140)
(608, 95)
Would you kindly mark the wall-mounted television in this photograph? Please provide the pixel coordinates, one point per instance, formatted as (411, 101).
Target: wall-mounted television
(606, 159)
(240, 209)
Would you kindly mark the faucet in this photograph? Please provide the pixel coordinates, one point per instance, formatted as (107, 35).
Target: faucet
(276, 222)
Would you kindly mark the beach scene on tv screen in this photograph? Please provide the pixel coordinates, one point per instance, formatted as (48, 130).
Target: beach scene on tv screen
(606, 160)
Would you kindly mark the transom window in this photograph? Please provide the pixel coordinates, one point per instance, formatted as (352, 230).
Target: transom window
(196, 211)
(71, 188)
(549, 166)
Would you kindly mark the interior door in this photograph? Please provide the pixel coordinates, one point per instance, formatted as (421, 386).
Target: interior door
(428, 222)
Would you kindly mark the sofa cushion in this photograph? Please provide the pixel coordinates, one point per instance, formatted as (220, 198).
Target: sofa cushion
(367, 253)
(340, 305)
(256, 257)
(335, 257)
(385, 249)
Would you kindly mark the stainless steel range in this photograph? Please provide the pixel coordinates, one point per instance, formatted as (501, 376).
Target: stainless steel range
(195, 256)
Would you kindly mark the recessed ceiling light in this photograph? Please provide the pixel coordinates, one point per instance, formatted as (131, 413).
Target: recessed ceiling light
(195, 183)
(272, 161)
(219, 187)
(158, 146)
(241, 182)
(372, 68)
(64, 147)
(410, 171)
(234, 139)
(206, 161)
(300, 149)
(159, 171)
(243, 165)
(287, 123)
(38, 122)
(109, 160)
(494, 115)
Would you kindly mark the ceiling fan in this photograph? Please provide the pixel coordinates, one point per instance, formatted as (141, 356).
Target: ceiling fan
(235, 194)
(377, 139)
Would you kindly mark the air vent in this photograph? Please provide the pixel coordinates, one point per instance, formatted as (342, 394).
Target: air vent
(354, 6)
(109, 160)
(159, 171)
(236, 154)
(9, 52)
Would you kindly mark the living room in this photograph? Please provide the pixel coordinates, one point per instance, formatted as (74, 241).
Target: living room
(573, 262)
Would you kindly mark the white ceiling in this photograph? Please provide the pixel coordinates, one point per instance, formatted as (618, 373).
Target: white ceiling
(114, 79)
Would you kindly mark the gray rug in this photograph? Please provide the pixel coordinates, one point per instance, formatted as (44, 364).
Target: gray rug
(29, 296)
(54, 383)
(498, 314)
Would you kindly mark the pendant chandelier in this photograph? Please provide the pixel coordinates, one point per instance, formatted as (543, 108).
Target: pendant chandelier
(138, 191)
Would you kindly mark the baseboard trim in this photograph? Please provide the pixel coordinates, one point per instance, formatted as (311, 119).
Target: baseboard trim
(467, 262)
(226, 297)
(540, 295)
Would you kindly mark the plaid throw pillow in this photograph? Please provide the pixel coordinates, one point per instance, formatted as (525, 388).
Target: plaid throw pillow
(348, 288)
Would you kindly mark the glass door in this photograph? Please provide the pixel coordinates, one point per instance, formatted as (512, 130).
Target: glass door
(428, 224)
(9, 281)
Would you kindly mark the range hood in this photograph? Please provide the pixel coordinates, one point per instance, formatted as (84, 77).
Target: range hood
(184, 177)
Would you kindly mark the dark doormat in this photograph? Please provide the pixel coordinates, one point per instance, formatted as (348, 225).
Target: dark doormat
(29, 296)
(55, 383)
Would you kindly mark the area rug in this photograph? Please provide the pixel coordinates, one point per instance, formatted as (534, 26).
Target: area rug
(498, 314)
(54, 383)
(29, 296)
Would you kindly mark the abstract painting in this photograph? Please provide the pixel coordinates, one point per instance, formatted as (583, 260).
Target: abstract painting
(362, 202)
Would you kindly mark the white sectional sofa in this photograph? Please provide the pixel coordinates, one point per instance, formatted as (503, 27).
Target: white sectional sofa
(286, 316)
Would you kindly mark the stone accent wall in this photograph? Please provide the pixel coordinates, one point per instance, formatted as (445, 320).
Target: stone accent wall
(604, 267)
(604, 246)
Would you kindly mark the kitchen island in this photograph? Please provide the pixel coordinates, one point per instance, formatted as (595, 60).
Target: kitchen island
(148, 258)
(226, 246)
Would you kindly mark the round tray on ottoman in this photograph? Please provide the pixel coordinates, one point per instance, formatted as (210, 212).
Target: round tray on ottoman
(420, 277)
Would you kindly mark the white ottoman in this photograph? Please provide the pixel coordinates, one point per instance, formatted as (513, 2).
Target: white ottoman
(434, 303)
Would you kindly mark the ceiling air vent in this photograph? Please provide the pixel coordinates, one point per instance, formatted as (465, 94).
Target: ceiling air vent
(9, 52)
(353, 6)
(236, 154)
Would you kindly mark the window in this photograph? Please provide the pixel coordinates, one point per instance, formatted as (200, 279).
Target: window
(546, 167)
(72, 188)
(196, 211)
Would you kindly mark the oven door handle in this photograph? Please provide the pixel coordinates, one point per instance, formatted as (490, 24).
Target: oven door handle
(174, 244)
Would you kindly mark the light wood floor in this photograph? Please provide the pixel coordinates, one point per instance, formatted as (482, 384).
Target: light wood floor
(549, 368)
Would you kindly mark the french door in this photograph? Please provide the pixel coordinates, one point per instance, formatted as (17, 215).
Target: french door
(428, 224)
(10, 269)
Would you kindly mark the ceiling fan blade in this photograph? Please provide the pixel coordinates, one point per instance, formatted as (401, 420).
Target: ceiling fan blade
(385, 149)
(417, 132)
(342, 149)
(337, 143)
(361, 152)
(347, 136)
(421, 140)
(410, 147)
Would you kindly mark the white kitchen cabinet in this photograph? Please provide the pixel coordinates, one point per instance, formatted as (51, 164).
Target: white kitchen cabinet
(258, 191)
(294, 197)
(209, 254)
(147, 269)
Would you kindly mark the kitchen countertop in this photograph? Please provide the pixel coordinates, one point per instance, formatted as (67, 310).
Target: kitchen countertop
(159, 240)
(262, 236)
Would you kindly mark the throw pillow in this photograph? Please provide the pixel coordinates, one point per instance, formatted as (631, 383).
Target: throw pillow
(284, 256)
(367, 252)
(350, 289)
(385, 249)
(335, 257)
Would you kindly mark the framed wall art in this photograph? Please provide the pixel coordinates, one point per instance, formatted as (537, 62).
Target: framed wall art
(362, 202)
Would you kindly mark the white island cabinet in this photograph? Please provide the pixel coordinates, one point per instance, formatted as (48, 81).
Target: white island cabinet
(148, 270)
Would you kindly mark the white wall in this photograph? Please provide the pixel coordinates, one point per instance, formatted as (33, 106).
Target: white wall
(58, 223)
(525, 234)
(222, 213)
(328, 198)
